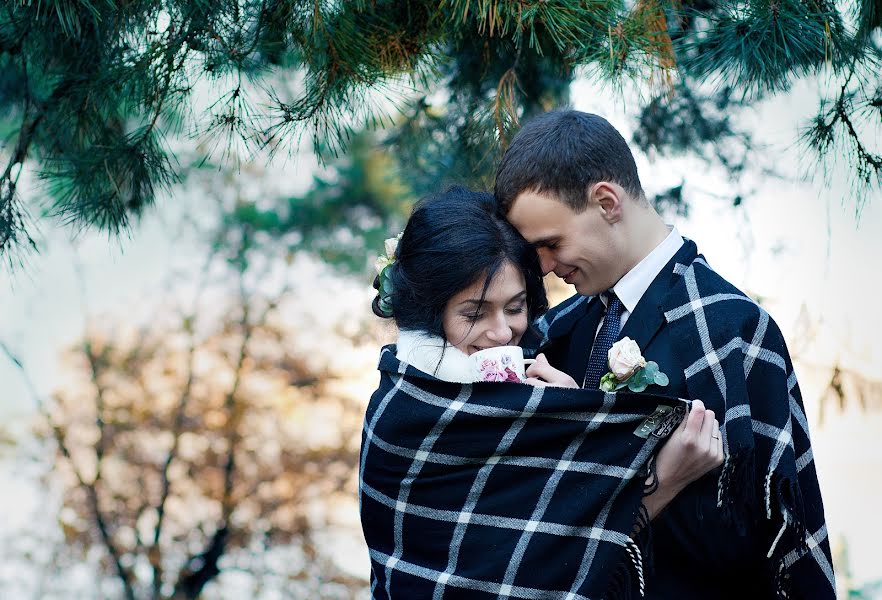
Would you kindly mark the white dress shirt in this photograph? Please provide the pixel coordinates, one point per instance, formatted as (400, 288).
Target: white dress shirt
(633, 285)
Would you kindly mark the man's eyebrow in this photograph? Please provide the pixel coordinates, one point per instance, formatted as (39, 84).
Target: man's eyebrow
(542, 242)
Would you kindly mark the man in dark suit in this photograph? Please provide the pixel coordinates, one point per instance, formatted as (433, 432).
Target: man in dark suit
(568, 182)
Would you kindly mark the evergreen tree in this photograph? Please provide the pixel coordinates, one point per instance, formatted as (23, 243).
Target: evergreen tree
(92, 91)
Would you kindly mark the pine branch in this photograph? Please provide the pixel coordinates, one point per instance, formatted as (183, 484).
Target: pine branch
(109, 83)
(836, 126)
(13, 218)
(764, 46)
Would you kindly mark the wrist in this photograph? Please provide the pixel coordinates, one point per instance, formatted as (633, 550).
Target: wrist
(666, 487)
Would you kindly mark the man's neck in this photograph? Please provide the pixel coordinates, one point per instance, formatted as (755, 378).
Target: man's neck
(647, 230)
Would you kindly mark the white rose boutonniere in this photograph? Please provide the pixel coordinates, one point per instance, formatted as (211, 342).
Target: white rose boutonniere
(628, 368)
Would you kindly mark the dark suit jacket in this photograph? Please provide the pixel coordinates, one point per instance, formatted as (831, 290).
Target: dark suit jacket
(695, 555)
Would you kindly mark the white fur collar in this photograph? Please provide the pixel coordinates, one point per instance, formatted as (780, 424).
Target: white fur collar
(428, 354)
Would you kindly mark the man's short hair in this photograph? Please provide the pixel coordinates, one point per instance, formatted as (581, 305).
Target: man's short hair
(564, 152)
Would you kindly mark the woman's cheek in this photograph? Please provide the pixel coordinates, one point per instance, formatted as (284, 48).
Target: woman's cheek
(519, 329)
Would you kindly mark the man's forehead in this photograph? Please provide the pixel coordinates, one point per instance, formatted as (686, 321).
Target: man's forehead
(538, 216)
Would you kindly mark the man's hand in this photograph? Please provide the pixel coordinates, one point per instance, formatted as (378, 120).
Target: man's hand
(541, 373)
(692, 450)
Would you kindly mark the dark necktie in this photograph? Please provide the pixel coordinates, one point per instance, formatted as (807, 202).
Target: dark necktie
(609, 331)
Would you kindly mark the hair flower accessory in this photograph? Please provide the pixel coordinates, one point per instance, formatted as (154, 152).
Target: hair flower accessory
(383, 282)
(628, 369)
(384, 260)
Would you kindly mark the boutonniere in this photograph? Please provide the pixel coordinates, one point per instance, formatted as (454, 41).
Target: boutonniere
(628, 369)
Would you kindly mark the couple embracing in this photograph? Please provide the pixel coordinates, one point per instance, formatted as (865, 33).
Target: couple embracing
(656, 447)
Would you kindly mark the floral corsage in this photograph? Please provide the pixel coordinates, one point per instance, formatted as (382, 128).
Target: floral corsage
(384, 282)
(628, 369)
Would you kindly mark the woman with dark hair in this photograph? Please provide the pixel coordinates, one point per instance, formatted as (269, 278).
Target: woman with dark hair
(461, 280)
(471, 489)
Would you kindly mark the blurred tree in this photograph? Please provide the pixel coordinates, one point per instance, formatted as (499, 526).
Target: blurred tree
(93, 90)
(206, 441)
(345, 215)
(849, 386)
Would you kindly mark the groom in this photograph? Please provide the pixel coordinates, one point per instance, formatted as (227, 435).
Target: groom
(754, 528)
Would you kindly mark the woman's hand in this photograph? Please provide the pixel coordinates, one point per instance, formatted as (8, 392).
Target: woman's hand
(694, 449)
(541, 373)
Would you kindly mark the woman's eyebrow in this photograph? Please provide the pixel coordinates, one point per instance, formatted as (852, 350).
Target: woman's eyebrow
(471, 302)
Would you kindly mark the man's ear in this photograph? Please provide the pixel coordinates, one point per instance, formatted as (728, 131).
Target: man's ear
(608, 196)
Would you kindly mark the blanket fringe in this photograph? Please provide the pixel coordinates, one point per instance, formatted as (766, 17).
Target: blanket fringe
(787, 498)
(737, 494)
(742, 502)
(627, 581)
(638, 549)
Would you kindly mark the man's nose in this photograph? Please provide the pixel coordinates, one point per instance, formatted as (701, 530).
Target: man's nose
(546, 261)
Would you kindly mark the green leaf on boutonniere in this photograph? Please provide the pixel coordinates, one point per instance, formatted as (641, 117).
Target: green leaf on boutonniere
(654, 375)
(641, 379)
(637, 384)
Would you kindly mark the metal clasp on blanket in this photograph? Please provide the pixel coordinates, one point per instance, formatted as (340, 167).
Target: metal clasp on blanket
(670, 422)
(661, 422)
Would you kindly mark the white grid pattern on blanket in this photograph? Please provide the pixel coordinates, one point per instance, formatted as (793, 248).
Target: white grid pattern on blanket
(415, 466)
(476, 584)
(453, 516)
(813, 545)
(753, 350)
(543, 324)
(594, 534)
(480, 409)
(534, 462)
(475, 494)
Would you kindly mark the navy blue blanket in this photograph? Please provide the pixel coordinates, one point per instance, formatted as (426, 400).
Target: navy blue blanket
(504, 490)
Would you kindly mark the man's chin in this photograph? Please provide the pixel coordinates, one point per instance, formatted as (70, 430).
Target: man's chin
(584, 289)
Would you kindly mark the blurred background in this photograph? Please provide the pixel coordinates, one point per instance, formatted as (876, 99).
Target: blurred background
(193, 195)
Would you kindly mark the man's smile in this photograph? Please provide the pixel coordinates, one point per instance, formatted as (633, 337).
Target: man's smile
(566, 276)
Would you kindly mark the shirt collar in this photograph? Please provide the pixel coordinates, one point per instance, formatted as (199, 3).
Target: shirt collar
(634, 284)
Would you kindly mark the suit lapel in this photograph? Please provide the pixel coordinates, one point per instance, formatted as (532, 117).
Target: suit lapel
(649, 315)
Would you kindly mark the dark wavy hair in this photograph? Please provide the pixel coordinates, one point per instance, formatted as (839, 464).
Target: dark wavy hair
(564, 152)
(452, 240)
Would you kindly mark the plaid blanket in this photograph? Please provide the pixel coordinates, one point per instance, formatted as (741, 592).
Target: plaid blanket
(498, 490)
(735, 352)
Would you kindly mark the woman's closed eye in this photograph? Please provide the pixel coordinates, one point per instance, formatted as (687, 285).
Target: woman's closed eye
(516, 310)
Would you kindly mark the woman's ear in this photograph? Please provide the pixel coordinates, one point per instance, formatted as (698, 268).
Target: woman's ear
(608, 197)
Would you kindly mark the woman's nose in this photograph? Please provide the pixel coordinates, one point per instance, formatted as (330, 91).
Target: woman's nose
(501, 331)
